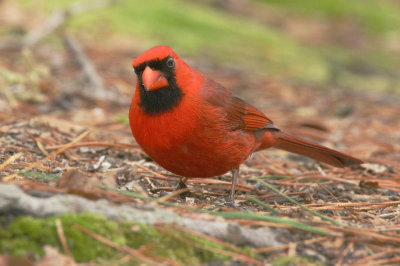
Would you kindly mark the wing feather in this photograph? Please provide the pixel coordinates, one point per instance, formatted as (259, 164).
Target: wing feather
(239, 114)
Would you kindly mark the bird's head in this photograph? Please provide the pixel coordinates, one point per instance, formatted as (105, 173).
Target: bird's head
(157, 79)
(156, 67)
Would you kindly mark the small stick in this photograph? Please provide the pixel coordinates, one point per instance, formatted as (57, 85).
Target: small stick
(94, 144)
(284, 247)
(297, 203)
(10, 160)
(61, 235)
(110, 243)
(259, 202)
(216, 240)
(241, 257)
(174, 193)
(346, 250)
(333, 196)
(51, 156)
(163, 177)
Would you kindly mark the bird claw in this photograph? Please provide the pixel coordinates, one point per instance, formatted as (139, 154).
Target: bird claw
(230, 202)
(182, 185)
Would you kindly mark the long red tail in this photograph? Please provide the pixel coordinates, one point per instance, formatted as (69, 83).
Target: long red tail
(300, 146)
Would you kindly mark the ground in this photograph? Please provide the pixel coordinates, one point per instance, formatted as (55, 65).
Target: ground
(61, 133)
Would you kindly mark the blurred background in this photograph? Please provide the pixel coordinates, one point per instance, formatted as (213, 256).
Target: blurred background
(348, 44)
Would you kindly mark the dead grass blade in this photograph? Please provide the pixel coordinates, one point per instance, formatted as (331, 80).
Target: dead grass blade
(296, 202)
(108, 242)
(349, 247)
(61, 235)
(11, 159)
(163, 177)
(94, 144)
(259, 202)
(371, 259)
(51, 156)
(244, 258)
(390, 261)
(210, 238)
(284, 247)
(174, 193)
(263, 217)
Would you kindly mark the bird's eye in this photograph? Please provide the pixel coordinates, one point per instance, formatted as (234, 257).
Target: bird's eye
(170, 63)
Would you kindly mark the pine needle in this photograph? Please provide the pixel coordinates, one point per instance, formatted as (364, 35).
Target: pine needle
(296, 202)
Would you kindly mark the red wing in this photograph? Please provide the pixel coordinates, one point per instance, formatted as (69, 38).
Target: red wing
(240, 114)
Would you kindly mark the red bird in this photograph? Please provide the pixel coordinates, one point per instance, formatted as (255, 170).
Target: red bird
(194, 127)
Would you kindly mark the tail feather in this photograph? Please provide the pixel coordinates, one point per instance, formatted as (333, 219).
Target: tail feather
(312, 150)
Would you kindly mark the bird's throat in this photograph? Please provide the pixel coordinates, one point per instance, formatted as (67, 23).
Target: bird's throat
(161, 100)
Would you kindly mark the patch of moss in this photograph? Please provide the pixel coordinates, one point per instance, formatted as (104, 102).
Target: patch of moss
(40, 175)
(27, 235)
(295, 261)
(123, 119)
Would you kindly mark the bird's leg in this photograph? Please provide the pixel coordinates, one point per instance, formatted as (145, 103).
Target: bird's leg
(235, 176)
(182, 185)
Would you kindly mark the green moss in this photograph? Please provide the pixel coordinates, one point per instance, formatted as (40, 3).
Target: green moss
(295, 261)
(27, 235)
(123, 119)
(40, 175)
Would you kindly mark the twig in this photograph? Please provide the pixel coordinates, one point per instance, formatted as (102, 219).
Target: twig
(259, 202)
(94, 144)
(368, 260)
(51, 156)
(41, 148)
(284, 247)
(263, 217)
(61, 235)
(333, 196)
(10, 160)
(14, 147)
(110, 243)
(241, 257)
(390, 261)
(333, 206)
(213, 239)
(151, 183)
(163, 177)
(174, 193)
(343, 255)
(296, 202)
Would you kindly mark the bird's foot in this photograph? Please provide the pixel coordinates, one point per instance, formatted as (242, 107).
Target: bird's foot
(182, 185)
(229, 202)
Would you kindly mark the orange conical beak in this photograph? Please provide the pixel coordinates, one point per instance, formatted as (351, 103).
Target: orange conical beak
(153, 79)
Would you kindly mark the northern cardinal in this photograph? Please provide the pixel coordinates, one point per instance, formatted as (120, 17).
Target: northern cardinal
(194, 127)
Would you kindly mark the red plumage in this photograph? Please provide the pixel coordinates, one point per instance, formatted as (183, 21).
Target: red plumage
(196, 128)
